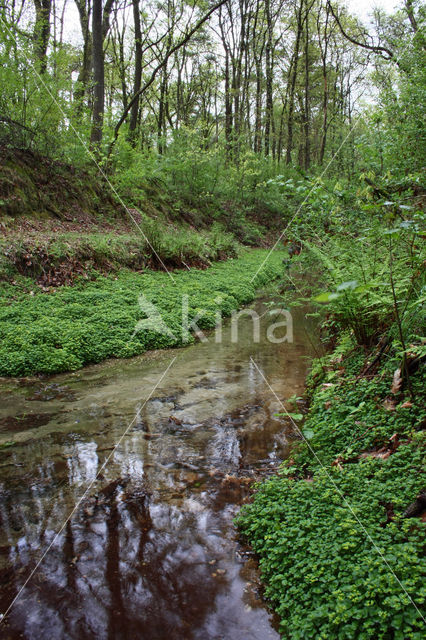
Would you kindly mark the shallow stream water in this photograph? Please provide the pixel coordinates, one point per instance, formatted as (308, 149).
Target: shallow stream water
(150, 552)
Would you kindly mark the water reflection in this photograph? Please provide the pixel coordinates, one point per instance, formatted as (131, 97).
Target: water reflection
(150, 552)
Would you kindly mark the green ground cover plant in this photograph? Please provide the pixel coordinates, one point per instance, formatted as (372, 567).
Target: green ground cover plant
(89, 322)
(338, 553)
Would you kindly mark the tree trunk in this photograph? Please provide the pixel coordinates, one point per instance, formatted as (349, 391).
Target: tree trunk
(258, 117)
(138, 71)
(293, 85)
(228, 107)
(306, 124)
(42, 31)
(268, 69)
(324, 51)
(410, 12)
(86, 66)
(98, 74)
(162, 111)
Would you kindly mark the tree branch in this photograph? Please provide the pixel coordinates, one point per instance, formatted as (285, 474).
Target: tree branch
(410, 12)
(158, 68)
(375, 48)
(16, 124)
(106, 16)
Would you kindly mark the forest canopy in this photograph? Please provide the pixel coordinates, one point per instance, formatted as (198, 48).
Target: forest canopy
(292, 82)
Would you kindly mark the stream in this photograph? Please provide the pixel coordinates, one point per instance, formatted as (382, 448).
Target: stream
(150, 552)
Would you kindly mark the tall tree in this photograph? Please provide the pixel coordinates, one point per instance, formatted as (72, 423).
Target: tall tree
(294, 69)
(269, 76)
(100, 28)
(138, 69)
(98, 73)
(84, 10)
(42, 31)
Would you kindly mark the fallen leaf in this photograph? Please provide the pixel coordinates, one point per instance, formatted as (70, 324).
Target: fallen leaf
(397, 382)
(376, 454)
(337, 463)
(389, 404)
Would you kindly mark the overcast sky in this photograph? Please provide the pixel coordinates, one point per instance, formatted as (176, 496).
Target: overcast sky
(364, 7)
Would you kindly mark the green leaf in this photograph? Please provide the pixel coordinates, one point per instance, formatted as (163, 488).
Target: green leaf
(391, 232)
(350, 284)
(6, 445)
(294, 416)
(327, 297)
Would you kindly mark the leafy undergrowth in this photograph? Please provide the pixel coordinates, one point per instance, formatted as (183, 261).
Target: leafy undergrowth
(338, 551)
(92, 321)
(54, 259)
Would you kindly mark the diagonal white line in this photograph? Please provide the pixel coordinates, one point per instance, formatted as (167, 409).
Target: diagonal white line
(342, 496)
(80, 500)
(304, 200)
(91, 155)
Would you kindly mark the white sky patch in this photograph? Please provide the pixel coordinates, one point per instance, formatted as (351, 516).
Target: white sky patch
(364, 8)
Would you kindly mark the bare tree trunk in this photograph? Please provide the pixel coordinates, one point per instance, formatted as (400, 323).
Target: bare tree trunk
(323, 42)
(306, 124)
(163, 102)
(258, 117)
(228, 105)
(162, 111)
(86, 66)
(410, 12)
(258, 44)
